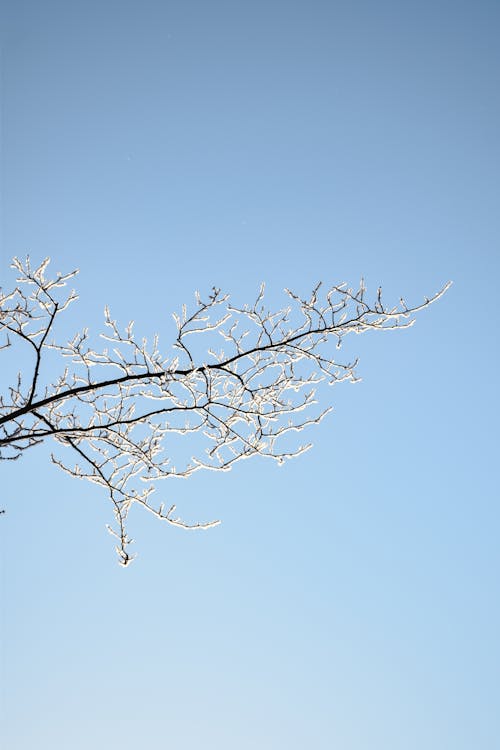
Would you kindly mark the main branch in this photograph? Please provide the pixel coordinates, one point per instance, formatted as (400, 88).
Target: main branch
(250, 399)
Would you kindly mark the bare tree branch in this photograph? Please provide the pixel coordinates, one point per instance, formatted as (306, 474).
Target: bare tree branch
(113, 409)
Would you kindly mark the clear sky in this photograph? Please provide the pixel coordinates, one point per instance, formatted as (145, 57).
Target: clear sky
(351, 599)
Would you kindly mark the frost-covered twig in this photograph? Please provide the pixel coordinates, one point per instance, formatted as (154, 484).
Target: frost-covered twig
(114, 407)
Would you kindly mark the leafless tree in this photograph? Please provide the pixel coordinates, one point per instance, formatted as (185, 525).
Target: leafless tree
(113, 409)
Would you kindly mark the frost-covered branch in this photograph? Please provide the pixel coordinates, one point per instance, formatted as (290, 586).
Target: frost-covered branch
(239, 381)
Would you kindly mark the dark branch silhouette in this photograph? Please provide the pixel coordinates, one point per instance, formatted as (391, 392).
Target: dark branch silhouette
(113, 409)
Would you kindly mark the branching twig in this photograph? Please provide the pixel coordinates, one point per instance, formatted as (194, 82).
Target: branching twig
(249, 401)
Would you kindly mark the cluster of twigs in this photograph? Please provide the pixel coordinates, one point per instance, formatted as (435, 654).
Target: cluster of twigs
(114, 408)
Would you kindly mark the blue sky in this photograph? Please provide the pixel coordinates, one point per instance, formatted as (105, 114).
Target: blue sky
(349, 600)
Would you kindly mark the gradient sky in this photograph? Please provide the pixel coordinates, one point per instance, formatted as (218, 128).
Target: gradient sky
(351, 599)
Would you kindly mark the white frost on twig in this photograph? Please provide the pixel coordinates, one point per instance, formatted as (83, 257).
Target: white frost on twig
(116, 408)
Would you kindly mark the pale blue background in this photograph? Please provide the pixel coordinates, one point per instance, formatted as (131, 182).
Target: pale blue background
(350, 600)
